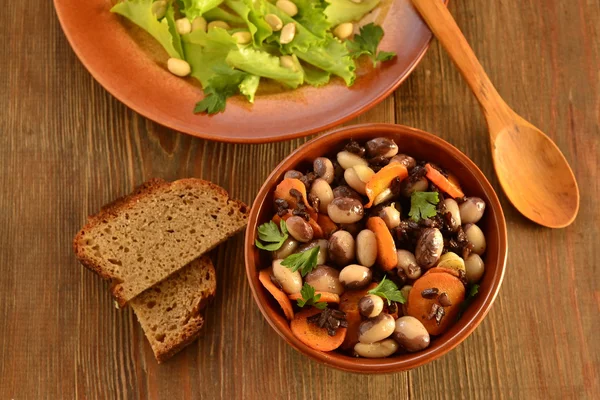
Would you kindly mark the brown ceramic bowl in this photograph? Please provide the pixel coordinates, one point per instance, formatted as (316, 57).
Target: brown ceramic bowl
(132, 67)
(423, 146)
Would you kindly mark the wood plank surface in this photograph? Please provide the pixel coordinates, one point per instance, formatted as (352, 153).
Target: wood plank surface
(67, 147)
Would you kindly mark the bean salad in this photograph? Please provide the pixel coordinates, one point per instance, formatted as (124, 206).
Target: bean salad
(373, 252)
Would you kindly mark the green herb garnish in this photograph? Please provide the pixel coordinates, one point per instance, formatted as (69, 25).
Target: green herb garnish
(472, 291)
(305, 261)
(309, 298)
(269, 233)
(366, 42)
(389, 291)
(423, 205)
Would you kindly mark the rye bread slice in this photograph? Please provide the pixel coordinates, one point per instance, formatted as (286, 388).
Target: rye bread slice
(170, 311)
(141, 239)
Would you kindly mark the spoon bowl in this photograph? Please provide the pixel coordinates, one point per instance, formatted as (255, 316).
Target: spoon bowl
(532, 171)
(523, 158)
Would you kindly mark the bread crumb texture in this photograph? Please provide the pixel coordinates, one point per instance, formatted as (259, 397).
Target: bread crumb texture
(141, 239)
(170, 311)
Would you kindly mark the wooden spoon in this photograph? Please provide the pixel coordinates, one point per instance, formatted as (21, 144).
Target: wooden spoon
(531, 169)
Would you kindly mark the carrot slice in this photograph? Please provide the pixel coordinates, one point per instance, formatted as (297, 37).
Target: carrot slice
(326, 297)
(450, 271)
(264, 277)
(387, 258)
(327, 225)
(420, 307)
(313, 336)
(383, 179)
(349, 304)
(282, 191)
(442, 182)
(454, 180)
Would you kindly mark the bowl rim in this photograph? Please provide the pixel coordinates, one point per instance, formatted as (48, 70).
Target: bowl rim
(385, 365)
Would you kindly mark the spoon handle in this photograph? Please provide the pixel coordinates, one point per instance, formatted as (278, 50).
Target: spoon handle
(444, 27)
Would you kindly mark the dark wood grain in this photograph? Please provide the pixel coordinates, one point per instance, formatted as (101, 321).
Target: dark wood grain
(67, 147)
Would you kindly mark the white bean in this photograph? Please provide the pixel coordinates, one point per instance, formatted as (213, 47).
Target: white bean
(287, 248)
(474, 268)
(291, 282)
(242, 37)
(476, 237)
(178, 67)
(344, 30)
(391, 216)
(288, 32)
(183, 26)
(274, 22)
(408, 264)
(199, 24)
(366, 248)
(299, 229)
(357, 177)
(355, 276)
(325, 279)
(159, 9)
(411, 334)
(321, 190)
(376, 329)
(349, 160)
(370, 305)
(218, 24)
(452, 207)
(287, 7)
(384, 348)
(384, 196)
(287, 62)
(472, 210)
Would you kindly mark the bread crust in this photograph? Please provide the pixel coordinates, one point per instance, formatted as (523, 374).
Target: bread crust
(122, 204)
(192, 328)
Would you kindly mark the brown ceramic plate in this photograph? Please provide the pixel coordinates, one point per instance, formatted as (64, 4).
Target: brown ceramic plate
(424, 146)
(132, 67)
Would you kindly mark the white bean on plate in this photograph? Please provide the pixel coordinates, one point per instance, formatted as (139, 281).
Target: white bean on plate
(377, 250)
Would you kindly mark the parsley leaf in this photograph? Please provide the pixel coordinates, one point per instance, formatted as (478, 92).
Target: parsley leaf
(471, 293)
(422, 205)
(220, 87)
(389, 291)
(473, 290)
(269, 233)
(366, 42)
(309, 298)
(212, 103)
(305, 261)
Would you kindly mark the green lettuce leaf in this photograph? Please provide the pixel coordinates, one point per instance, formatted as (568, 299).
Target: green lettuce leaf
(339, 11)
(263, 64)
(253, 14)
(249, 86)
(196, 8)
(303, 40)
(140, 13)
(311, 16)
(219, 14)
(206, 52)
(332, 57)
(170, 18)
(315, 77)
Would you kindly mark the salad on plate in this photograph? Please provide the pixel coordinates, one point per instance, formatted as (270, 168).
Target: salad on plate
(231, 46)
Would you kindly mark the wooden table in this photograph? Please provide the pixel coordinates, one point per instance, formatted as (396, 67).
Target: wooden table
(67, 147)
